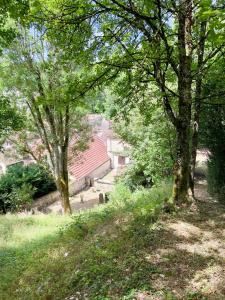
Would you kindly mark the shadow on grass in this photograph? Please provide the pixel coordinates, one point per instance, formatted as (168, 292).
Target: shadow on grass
(120, 254)
(115, 264)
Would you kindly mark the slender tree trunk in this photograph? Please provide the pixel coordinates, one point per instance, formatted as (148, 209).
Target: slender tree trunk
(63, 179)
(66, 201)
(63, 188)
(181, 169)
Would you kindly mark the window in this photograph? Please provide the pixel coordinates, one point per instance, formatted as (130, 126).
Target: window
(121, 160)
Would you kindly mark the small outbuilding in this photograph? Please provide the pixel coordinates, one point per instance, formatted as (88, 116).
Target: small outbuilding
(92, 163)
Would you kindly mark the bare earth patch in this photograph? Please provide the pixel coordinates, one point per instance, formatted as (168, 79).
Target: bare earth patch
(189, 251)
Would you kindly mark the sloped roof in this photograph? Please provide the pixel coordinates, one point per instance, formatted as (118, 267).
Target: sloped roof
(89, 160)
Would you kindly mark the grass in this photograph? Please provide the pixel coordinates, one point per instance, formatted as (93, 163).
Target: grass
(98, 254)
(16, 230)
(20, 237)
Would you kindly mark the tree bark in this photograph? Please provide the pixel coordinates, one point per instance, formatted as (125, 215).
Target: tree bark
(63, 182)
(63, 188)
(62, 179)
(181, 168)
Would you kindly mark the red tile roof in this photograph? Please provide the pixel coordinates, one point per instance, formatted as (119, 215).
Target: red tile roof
(89, 160)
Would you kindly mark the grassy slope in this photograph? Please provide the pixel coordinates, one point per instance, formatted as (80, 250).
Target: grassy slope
(99, 254)
(20, 237)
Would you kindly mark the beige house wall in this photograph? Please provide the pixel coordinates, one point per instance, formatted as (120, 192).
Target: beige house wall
(76, 186)
(101, 171)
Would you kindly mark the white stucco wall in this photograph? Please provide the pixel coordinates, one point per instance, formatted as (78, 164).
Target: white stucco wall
(111, 156)
(115, 161)
(127, 160)
(115, 145)
(116, 148)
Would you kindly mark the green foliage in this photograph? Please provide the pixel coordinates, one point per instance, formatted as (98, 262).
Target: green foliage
(135, 177)
(19, 198)
(137, 49)
(11, 12)
(46, 86)
(216, 173)
(10, 118)
(21, 184)
(97, 255)
(151, 137)
(121, 193)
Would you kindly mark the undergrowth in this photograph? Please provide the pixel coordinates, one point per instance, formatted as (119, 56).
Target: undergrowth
(97, 254)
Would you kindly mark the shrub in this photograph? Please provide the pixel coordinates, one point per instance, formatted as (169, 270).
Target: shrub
(121, 193)
(21, 184)
(21, 198)
(135, 177)
(152, 146)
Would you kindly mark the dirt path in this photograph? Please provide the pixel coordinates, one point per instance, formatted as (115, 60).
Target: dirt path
(189, 252)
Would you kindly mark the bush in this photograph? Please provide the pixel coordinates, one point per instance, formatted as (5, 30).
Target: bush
(21, 198)
(21, 184)
(121, 193)
(135, 177)
(152, 147)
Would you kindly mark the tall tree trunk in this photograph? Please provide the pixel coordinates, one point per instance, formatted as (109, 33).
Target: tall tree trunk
(63, 188)
(63, 179)
(197, 104)
(181, 169)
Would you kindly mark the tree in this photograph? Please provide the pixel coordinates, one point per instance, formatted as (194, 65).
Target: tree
(11, 11)
(158, 48)
(10, 119)
(46, 84)
(152, 149)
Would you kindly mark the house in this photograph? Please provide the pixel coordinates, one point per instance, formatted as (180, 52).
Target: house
(105, 151)
(118, 152)
(117, 149)
(90, 164)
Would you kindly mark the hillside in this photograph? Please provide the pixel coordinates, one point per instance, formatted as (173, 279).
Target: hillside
(126, 249)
